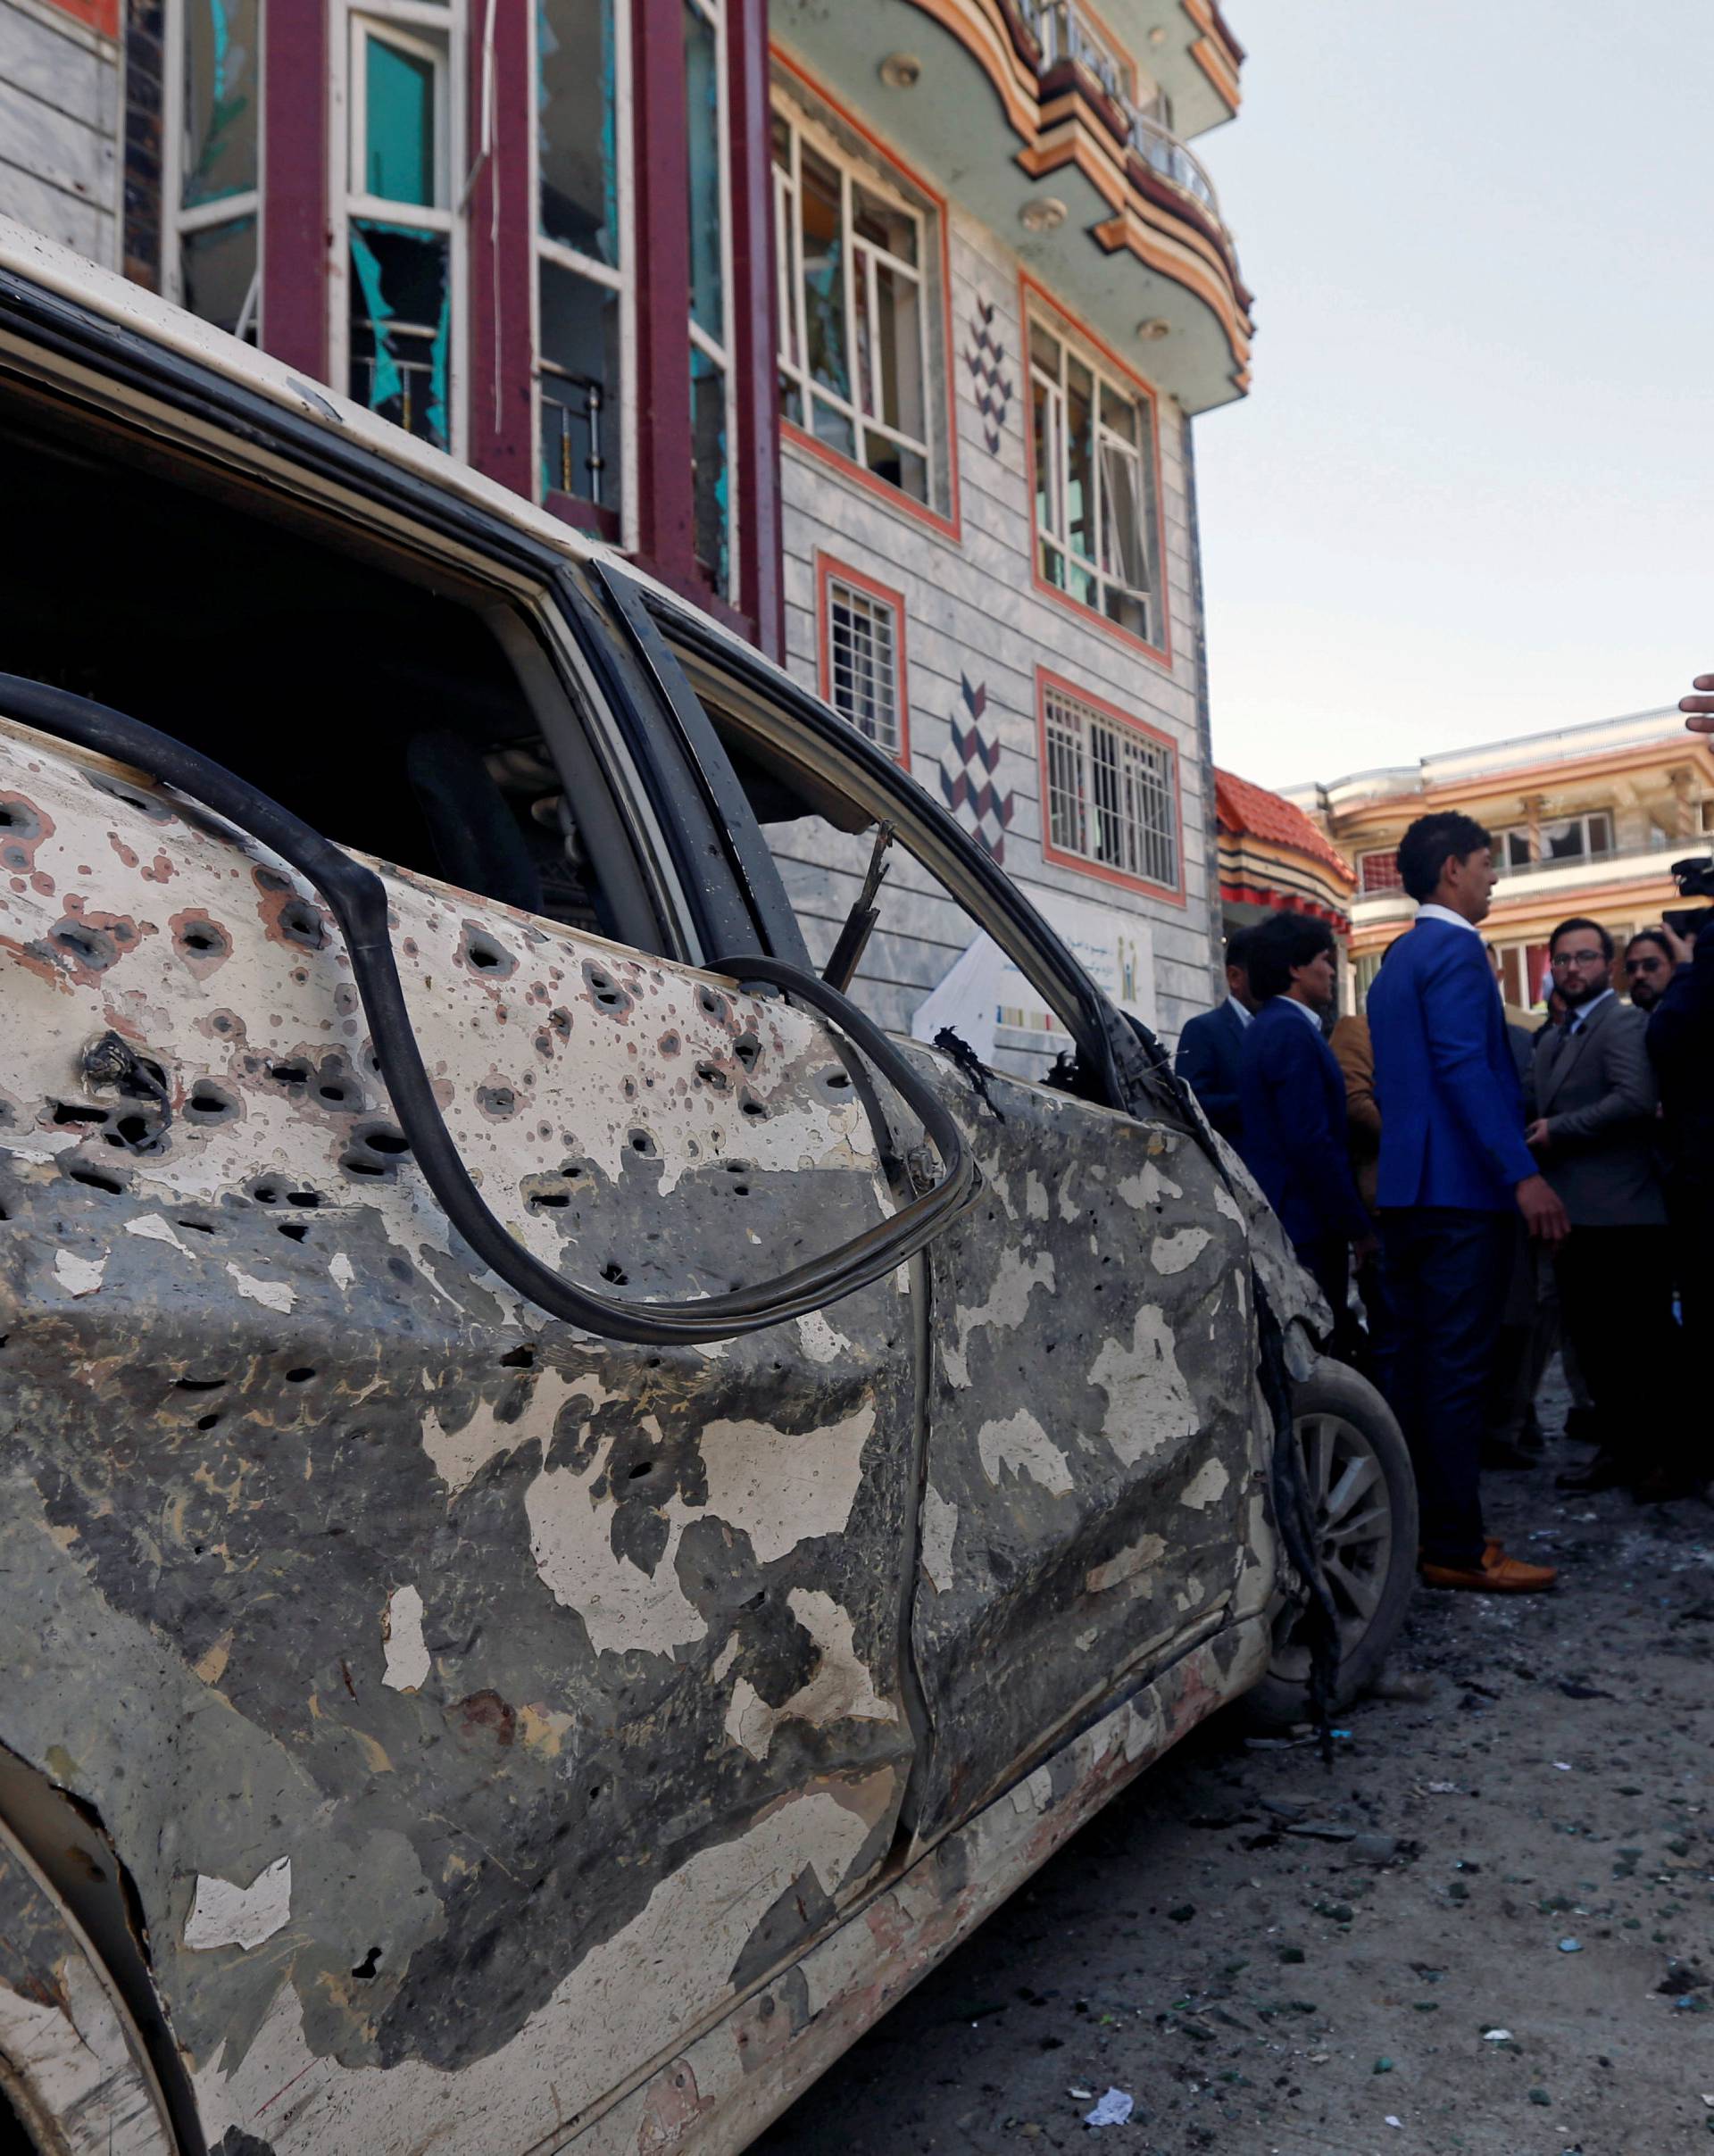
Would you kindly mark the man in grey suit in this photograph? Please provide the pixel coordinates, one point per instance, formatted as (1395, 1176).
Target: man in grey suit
(1594, 1134)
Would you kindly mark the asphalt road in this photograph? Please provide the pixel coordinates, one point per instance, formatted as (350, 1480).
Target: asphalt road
(1516, 1960)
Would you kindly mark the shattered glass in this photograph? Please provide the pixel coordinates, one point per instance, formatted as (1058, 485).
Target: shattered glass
(400, 326)
(222, 104)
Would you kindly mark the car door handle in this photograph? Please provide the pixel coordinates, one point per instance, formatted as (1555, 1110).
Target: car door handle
(356, 897)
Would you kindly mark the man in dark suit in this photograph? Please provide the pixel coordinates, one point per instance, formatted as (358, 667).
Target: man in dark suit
(1453, 1168)
(1596, 1134)
(1291, 1097)
(1209, 1045)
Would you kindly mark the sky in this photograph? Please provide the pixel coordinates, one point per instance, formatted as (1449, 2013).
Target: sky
(1471, 492)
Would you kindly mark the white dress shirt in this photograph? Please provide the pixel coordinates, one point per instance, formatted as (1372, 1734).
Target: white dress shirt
(1431, 912)
(1580, 1016)
(1244, 1015)
(1305, 1008)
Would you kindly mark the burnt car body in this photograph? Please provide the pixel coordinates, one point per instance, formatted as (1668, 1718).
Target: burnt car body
(427, 1721)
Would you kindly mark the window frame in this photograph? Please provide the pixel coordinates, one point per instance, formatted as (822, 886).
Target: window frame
(795, 97)
(351, 20)
(622, 281)
(1036, 304)
(1583, 817)
(1389, 854)
(721, 353)
(179, 223)
(831, 571)
(1049, 683)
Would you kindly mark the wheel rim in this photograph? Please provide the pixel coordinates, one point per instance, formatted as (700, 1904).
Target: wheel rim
(1350, 1513)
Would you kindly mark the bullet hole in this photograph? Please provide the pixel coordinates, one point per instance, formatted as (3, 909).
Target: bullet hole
(206, 1422)
(545, 1193)
(669, 1043)
(640, 1142)
(740, 1190)
(94, 1180)
(642, 1468)
(836, 1081)
(604, 990)
(614, 1273)
(296, 1229)
(92, 947)
(362, 1164)
(210, 1103)
(709, 1074)
(485, 955)
(747, 1048)
(141, 1133)
(203, 939)
(711, 1004)
(198, 1385)
(200, 1227)
(266, 1191)
(300, 1376)
(381, 1137)
(754, 1110)
(496, 1101)
(301, 923)
(289, 1074)
(755, 1601)
(519, 1358)
(146, 804)
(77, 1111)
(597, 1790)
(335, 1095)
(366, 1968)
(559, 1019)
(309, 1199)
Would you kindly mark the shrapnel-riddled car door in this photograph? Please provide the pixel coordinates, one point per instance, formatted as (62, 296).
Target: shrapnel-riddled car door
(477, 1706)
(1094, 1488)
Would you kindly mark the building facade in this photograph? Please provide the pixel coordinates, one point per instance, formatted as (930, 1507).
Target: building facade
(1586, 820)
(879, 330)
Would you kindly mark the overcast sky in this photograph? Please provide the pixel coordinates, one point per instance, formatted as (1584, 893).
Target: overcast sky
(1471, 492)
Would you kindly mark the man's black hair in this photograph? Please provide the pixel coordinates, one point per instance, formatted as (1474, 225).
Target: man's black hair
(1582, 920)
(1658, 938)
(1237, 948)
(1282, 941)
(1430, 843)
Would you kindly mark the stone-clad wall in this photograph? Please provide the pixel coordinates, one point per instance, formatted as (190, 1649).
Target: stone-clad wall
(974, 619)
(58, 127)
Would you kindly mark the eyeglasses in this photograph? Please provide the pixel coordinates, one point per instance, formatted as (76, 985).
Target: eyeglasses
(1578, 958)
(1645, 965)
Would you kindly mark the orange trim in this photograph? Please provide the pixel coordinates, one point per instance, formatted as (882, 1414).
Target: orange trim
(1212, 51)
(1379, 811)
(1174, 893)
(826, 566)
(1162, 652)
(950, 523)
(102, 15)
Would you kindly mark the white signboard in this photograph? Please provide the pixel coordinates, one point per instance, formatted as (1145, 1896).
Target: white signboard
(985, 991)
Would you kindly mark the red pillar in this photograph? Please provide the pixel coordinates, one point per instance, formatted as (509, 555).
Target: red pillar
(502, 250)
(755, 338)
(666, 531)
(295, 186)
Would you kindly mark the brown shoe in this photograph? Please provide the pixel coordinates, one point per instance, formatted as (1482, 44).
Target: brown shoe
(1497, 1574)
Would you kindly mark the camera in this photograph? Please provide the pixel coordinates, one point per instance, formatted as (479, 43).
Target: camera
(1695, 879)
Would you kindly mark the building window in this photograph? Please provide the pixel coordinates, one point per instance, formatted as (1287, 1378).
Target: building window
(1380, 871)
(854, 313)
(582, 252)
(400, 221)
(1571, 838)
(1524, 974)
(212, 255)
(862, 657)
(1097, 525)
(1112, 790)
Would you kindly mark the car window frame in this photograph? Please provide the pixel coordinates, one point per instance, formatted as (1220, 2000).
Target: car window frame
(1112, 1053)
(127, 385)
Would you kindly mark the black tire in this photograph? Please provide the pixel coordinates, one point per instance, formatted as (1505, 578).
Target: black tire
(1363, 1501)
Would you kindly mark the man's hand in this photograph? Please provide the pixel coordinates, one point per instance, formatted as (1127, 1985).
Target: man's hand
(1537, 1137)
(1683, 948)
(1544, 1215)
(1699, 707)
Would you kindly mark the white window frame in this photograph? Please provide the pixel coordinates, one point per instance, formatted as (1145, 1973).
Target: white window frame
(1140, 765)
(177, 222)
(350, 19)
(719, 350)
(620, 279)
(1055, 484)
(861, 603)
(794, 354)
(1380, 890)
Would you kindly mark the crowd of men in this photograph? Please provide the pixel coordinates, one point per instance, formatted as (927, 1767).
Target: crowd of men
(1492, 1190)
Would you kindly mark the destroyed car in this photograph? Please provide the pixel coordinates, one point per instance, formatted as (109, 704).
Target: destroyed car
(575, 1514)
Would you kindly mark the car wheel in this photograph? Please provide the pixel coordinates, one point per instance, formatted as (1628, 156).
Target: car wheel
(1363, 1499)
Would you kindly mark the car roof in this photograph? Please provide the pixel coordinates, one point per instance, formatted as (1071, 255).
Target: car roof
(116, 299)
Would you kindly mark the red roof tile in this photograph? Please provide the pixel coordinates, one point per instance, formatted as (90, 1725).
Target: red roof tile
(1242, 806)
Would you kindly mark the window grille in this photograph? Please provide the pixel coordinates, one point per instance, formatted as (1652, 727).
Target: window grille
(863, 662)
(1112, 792)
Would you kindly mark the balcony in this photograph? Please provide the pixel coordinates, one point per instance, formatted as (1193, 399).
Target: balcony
(1631, 882)
(1039, 121)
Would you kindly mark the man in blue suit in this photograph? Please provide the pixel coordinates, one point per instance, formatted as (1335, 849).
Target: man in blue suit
(1453, 1170)
(1209, 1045)
(1292, 1096)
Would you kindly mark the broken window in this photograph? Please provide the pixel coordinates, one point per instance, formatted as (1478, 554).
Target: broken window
(582, 217)
(711, 385)
(213, 134)
(1096, 527)
(401, 227)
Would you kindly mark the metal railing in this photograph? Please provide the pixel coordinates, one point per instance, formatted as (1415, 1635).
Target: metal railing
(389, 378)
(570, 401)
(1064, 33)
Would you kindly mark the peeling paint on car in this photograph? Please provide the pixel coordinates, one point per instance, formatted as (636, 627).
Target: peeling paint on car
(223, 1914)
